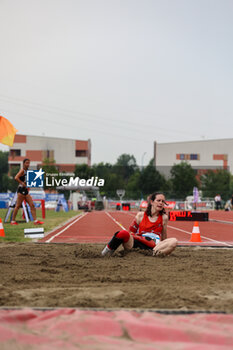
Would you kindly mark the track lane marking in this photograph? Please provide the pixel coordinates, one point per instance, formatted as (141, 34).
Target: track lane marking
(190, 233)
(118, 223)
(221, 221)
(68, 226)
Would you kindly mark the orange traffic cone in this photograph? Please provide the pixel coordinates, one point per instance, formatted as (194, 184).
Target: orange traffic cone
(2, 233)
(196, 236)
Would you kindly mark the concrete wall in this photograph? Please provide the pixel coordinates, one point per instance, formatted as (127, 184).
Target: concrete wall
(36, 147)
(213, 153)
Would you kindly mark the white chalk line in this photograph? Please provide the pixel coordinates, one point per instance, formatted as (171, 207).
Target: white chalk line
(210, 239)
(68, 226)
(118, 223)
(221, 221)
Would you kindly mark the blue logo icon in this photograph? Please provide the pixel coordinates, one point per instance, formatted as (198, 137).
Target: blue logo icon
(35, 178)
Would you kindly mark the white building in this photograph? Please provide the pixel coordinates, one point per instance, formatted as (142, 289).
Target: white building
(201, 155)
(65, 152)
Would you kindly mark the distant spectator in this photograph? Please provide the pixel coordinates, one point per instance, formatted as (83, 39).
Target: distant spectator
(232, 202)
(217, 200)
(228, 205)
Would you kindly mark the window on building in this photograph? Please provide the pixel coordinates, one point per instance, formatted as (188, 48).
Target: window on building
(81, 153)
(194, 156)
(182, 156)
(15, 153)
(187, 156)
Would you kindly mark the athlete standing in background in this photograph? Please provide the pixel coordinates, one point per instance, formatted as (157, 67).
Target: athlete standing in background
(22, 194)
(148, 230)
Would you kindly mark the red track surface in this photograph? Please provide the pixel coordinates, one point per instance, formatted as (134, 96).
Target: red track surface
(221, 215)
(78, 329)
(99, 226)
(106, 330)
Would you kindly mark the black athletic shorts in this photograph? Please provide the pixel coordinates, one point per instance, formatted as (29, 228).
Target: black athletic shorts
(22, 190)
(143, 242)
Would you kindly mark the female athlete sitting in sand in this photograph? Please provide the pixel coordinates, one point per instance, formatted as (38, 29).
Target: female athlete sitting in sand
(147, 231)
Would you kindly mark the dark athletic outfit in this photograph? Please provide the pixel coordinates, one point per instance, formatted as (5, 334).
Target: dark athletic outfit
(21, 189)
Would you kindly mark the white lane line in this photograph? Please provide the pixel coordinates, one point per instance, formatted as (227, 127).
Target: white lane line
(64, 229)
(210, 239)
(111, 217)
(221, 221)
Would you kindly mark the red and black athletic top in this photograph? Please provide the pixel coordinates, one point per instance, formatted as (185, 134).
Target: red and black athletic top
(146, 226)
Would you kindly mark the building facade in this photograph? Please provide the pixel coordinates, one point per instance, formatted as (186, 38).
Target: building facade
(201, 155)
(65, 152)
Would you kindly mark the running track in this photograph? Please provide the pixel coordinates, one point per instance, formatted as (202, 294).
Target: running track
(99, 226)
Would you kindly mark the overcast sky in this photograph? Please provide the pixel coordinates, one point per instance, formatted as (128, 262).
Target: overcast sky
(120, 72)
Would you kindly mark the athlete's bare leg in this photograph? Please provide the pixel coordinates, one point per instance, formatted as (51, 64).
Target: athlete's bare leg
(31, 205)
(129, 245)
(20, 199)
(165, 247)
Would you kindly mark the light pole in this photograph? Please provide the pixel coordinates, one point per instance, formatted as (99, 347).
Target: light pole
(143, 159)
(143, 155)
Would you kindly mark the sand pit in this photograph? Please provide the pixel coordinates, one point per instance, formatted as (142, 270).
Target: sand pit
(75, 275)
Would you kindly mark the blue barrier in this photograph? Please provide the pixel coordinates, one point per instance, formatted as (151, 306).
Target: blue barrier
(3, 204)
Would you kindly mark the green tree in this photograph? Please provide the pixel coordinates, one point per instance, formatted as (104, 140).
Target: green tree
(3, 171)
(113, 183)
(49, 167)
(133, 186)
(216, 182)
(151, 180)
(84, 171)
(125, 166)
(105, 171)
(102, 170)
(182, 180)
(116, 176)
(231, 185)
(12, 184)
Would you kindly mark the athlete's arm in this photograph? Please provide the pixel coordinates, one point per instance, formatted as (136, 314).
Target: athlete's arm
(135, 224)
(164, 232)
(17, 177)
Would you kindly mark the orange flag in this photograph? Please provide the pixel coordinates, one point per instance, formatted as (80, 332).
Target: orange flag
(7, 132)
